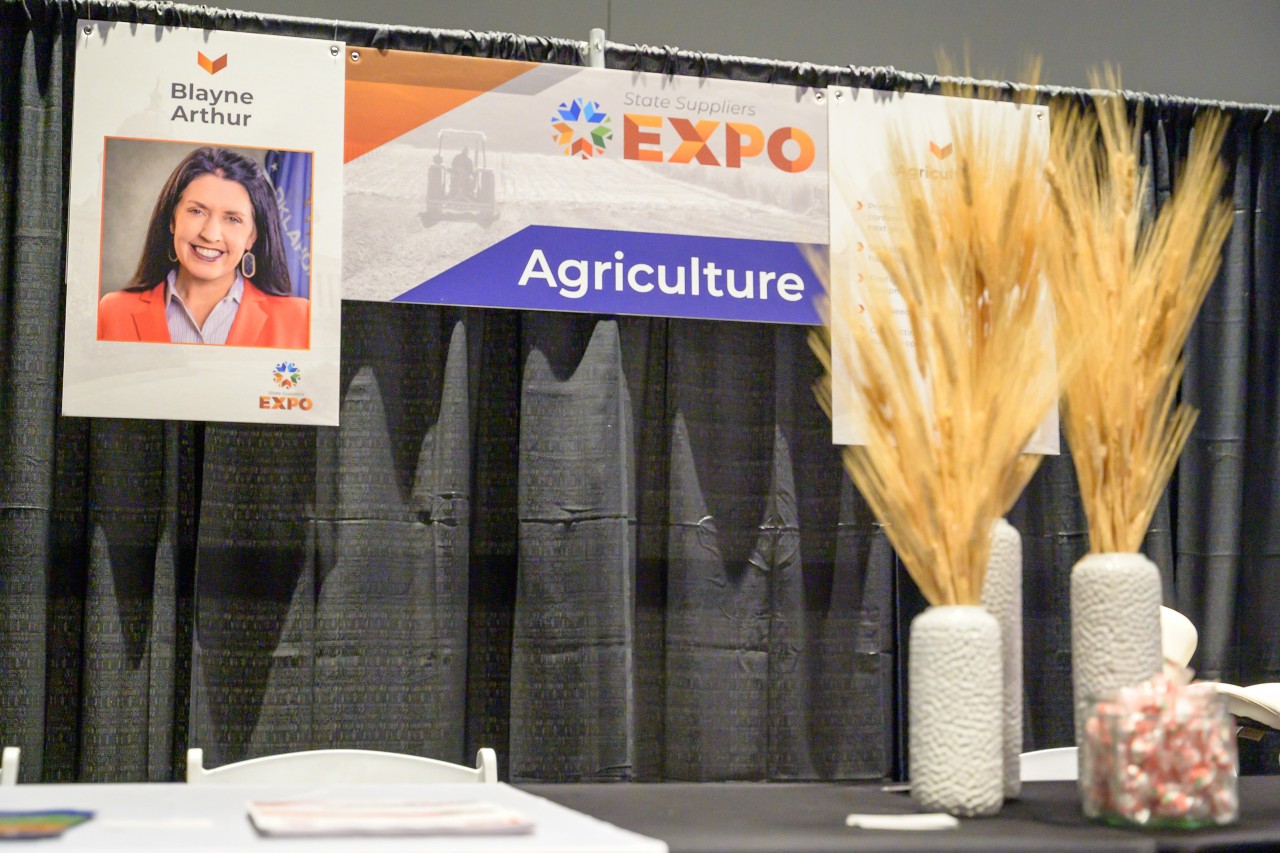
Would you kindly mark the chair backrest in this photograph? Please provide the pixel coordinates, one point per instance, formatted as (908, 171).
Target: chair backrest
(345, 766)
(1178, 636)
(9, 761)
(1050, 765)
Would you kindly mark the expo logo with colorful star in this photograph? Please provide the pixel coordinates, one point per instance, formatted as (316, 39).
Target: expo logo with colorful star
(581, 128)
(286, 375)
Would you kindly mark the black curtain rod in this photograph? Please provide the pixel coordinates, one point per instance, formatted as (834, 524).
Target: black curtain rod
(501, 45)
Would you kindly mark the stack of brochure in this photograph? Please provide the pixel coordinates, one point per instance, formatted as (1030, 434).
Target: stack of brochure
(318, 817)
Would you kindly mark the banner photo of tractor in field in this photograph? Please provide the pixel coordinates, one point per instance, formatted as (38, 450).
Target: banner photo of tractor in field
(509, 184)
(467, 186)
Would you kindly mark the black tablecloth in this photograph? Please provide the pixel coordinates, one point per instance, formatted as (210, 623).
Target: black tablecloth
(809, 818)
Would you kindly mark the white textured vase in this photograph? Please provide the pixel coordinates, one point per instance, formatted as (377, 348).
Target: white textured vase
(1115, 626)
(1002, 596)
(953, 709)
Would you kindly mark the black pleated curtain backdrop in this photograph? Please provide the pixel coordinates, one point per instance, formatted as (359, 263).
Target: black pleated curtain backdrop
(608, 547)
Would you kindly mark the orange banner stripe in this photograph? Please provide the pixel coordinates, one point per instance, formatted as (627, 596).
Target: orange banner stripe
(389, 93)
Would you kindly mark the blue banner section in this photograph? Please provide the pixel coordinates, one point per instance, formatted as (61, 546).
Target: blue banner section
(290, 173)
(551, 268)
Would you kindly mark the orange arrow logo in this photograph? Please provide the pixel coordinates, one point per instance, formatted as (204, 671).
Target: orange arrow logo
(213, 66)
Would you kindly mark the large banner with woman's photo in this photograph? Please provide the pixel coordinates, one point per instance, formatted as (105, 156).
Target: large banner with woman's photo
(204, 226)
(521, 185)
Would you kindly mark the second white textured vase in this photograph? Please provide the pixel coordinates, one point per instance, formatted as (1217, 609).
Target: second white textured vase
(953, 711)
(1115, 626)
(1002, 596)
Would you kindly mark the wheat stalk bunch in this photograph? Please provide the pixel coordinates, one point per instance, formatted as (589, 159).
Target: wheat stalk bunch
(1135, 282)
(946, 415)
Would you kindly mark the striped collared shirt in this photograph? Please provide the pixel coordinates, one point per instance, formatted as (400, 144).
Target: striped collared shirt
(183, 328)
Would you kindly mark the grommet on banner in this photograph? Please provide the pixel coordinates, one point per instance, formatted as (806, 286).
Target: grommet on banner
(595, 48)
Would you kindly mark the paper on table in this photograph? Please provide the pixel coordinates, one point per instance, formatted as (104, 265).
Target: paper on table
(318, 817)
(902, 821)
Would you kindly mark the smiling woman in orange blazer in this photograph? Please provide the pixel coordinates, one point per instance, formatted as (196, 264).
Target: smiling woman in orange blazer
(199, 279)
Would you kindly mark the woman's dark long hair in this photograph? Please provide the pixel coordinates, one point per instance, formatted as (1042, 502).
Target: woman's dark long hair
(272, 274)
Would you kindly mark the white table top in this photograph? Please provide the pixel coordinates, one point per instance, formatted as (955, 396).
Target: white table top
(203, 818)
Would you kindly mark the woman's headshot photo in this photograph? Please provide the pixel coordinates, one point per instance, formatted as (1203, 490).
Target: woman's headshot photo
(213, 265)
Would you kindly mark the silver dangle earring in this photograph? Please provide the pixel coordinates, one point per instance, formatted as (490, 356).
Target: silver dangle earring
(248, 265)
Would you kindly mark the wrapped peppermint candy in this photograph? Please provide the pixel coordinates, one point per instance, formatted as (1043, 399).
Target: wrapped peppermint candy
(1160, 754)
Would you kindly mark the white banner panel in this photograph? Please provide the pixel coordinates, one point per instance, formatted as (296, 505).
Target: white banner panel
(522, 185)
(861, 164)
(205, 226)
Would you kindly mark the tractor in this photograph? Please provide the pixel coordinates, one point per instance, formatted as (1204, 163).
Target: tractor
(465, 185)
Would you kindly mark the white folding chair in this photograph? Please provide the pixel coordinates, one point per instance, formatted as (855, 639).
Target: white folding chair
(340, 766)
(1178, 639)
(10, 758)
(1049, 765)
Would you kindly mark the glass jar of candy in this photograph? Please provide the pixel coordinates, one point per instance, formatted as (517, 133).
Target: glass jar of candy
(1160, 755)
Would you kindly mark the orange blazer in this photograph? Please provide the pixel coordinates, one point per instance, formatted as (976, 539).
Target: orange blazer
(261, 320)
